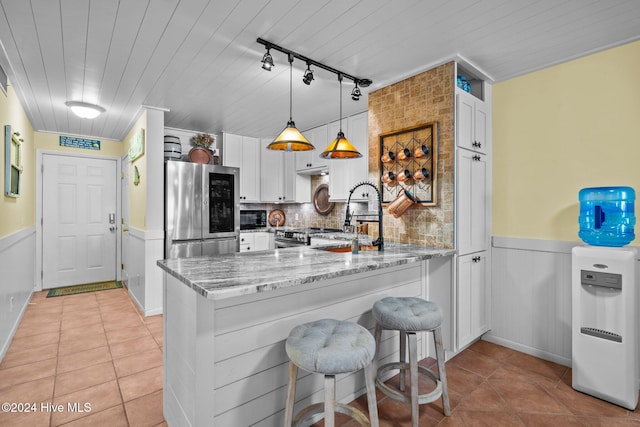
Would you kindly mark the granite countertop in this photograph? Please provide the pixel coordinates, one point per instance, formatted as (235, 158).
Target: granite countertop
(237, 274)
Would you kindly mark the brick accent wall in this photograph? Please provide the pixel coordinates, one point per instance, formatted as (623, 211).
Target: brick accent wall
(423, 98)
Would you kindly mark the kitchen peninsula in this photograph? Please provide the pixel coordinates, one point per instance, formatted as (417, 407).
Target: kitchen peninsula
(226, 319)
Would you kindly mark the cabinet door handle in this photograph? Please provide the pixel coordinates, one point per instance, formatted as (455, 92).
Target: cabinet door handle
(476, 259)
(477, 158)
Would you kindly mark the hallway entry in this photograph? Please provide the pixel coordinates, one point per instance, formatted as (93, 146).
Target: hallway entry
(79, 225)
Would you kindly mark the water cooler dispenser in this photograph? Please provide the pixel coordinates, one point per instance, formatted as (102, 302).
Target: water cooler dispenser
(605, 298)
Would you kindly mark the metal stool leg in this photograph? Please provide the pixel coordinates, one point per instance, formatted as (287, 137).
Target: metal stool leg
(413, 369)
(291, 394)
(440, 356)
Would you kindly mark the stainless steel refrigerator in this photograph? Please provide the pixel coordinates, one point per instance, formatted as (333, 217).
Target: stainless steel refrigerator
(202, 209)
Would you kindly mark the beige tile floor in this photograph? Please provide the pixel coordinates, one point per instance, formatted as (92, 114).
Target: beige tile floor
(93, 349)
(96, 349)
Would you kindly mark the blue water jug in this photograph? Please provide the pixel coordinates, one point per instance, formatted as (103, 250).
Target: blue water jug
(607, 216)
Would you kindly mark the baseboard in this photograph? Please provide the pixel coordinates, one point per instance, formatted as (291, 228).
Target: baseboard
(527, 350)
(153, 312)
(14, 328)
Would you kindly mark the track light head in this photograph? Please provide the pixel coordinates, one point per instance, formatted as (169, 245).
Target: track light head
(364, 82)
(356, 93)
(308, 75)
(267, 61)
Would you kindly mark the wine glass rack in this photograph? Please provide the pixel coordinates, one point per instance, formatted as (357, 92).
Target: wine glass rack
(408, 160)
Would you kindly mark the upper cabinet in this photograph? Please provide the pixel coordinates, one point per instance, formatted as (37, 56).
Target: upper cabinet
(309, 162)
(279, 182)
(471, 122)
(244, 152)
(346, 173)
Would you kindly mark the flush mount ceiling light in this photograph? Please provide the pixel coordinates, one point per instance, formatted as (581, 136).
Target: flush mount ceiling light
(308, 75)
(356, 93)
(85, 110)
(290, 139)
(267, 61)
(340, 148)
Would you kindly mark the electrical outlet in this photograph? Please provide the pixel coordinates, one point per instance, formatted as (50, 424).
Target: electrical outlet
(11, 301)
(297, 216)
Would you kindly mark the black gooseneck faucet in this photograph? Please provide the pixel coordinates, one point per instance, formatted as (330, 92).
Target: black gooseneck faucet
(379, 242)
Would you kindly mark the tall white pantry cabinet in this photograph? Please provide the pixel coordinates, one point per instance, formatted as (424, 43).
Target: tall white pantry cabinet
(472, 290)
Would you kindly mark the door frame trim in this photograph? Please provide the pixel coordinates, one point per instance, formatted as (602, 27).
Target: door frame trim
(39, 185)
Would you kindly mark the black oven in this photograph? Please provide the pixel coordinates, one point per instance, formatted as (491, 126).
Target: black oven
(253, 219)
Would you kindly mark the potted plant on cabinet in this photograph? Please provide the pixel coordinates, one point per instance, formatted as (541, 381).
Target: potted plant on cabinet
(201, 151)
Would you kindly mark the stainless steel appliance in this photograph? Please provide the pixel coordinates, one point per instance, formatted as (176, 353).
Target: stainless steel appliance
(291, 238)
(202, 215)
(253, 219)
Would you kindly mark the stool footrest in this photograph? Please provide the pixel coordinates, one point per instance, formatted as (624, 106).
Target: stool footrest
(395, 394)
(318, 408)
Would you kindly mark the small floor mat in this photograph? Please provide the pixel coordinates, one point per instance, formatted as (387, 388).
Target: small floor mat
(81, 289)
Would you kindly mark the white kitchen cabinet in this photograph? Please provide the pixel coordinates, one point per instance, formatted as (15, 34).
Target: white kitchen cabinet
(473, 298)
(309, 162)
(472, 121)
(346, 173)
(279, 182)
(472, 213)
(256, 241)
(244, 152)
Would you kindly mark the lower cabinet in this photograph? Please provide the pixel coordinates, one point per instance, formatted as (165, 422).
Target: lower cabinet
(259, 241)
(473, 297)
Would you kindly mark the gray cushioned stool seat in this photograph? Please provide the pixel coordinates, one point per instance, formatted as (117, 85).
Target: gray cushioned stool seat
(407, 314)
(330, 346)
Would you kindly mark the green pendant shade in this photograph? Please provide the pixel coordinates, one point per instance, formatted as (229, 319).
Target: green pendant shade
(340, 148)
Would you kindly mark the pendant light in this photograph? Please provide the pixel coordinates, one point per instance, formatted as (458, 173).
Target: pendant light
(290, 139)
(340, 148)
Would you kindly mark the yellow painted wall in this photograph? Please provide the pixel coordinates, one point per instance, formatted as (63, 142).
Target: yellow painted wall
(51, 142)
(561, 129)
(17, 213)
(138, 194)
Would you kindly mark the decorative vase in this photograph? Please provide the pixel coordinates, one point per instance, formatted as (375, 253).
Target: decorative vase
(200, 155)
(172, 147)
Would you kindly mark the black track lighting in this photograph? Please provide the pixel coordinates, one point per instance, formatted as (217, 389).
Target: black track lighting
(308, 75)
(356, 93)
(267, 64)
(267, 61)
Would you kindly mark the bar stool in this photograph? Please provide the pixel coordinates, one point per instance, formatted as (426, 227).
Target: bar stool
(330, 347)
(410, 315)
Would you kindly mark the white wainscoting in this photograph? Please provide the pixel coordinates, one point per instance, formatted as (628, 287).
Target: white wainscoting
(144, 279)
(17, 270)
(531, 297)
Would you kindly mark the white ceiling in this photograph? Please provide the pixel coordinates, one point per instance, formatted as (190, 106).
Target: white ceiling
(200, 58)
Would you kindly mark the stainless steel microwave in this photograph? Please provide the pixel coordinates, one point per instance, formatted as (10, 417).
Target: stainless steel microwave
(252, 219)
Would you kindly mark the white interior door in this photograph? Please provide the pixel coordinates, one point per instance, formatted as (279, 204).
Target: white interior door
(79, 220)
